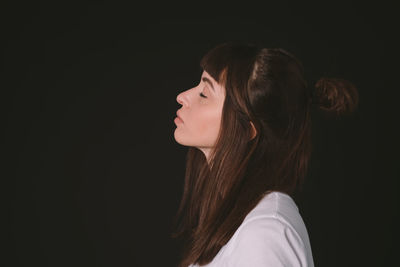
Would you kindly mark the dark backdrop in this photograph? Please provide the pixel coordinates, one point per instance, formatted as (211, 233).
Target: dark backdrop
(92, 174)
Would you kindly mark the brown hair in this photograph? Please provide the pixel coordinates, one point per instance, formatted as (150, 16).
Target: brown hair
(265, 87)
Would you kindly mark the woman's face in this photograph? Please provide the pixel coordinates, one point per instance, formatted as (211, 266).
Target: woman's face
(199, 118)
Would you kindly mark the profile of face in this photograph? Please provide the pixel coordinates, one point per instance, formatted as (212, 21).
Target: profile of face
(198, 120)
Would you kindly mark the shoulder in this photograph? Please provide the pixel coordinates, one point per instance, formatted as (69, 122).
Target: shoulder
(281, 208)
(269, 236)
(267, 241)
(276, 205)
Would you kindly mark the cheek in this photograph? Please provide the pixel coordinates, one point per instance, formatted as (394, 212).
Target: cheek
(207, 124)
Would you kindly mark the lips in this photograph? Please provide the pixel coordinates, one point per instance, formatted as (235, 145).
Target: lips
(177, 114)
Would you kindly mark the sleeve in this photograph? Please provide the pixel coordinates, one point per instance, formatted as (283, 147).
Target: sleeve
(267, 242)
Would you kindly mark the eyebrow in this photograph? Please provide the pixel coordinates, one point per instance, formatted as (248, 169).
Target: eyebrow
(205, 79)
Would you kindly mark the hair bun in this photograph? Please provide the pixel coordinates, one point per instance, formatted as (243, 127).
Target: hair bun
(335, 96)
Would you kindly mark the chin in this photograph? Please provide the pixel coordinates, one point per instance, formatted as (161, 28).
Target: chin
(178, 138)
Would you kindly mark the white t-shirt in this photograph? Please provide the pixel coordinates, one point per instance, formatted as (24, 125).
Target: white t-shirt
(273, 234)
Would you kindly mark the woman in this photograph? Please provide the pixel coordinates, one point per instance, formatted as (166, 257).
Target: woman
(248, 128)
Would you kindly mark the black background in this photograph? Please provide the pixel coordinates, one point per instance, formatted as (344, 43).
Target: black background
(92, 173)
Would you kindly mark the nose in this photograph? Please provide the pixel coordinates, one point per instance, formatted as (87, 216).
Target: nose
(181, 99)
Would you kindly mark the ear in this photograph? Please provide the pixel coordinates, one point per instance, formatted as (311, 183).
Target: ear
(253, 131)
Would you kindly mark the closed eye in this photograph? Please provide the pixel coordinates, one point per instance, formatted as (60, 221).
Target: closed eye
(201, 94)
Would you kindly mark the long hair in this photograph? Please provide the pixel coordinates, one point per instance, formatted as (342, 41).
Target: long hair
(265, 87)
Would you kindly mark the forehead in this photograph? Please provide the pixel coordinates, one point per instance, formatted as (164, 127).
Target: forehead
(219, 88)
(207, 75)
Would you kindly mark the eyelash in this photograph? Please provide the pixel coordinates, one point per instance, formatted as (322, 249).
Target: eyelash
(201, 94)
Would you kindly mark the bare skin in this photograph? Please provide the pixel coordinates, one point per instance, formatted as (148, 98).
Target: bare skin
(200, 115)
